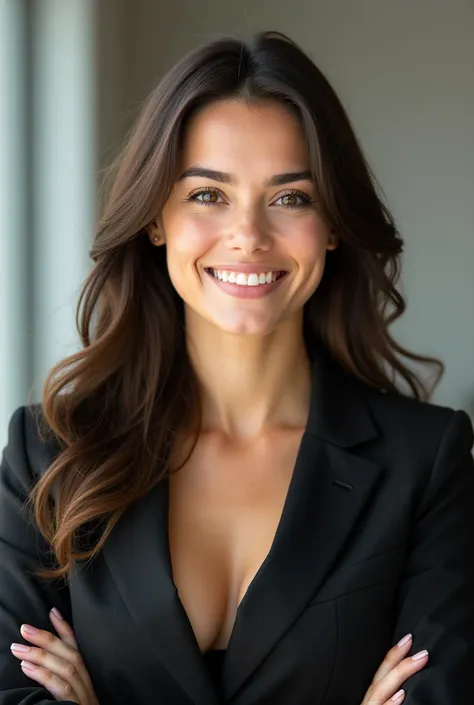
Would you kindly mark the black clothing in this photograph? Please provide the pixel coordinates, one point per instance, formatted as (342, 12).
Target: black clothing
(376, 540)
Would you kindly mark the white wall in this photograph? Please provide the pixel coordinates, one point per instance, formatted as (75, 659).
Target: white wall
(404, 71)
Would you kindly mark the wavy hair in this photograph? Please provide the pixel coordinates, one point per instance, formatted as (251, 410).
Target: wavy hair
(116, 406)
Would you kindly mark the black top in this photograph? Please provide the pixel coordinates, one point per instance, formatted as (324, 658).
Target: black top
(214, 661)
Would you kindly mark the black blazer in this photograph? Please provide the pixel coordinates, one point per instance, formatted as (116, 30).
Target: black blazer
(376, 540)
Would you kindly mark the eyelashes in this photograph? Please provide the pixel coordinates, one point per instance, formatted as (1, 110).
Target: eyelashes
(193, 196)
(306, 200)
(293, 193)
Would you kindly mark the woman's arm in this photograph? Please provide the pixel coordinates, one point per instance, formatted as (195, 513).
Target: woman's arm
(436, 600)
(23, 597)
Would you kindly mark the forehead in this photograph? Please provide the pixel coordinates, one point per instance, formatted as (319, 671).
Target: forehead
(233, 132)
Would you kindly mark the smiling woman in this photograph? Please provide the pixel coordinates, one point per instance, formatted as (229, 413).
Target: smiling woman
(237, 491)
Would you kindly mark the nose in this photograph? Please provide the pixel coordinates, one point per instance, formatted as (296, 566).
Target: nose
(249, 235)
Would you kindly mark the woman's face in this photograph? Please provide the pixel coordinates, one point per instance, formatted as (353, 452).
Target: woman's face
(246, 243)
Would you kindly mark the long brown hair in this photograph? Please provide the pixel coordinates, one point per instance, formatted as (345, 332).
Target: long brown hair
(116, 406)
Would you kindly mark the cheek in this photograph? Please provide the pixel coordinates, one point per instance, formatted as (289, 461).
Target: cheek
(188, 240)
(307, 246)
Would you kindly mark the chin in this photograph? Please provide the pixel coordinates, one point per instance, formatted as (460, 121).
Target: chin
(246, 325)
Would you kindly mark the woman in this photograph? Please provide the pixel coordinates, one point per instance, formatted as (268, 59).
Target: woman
(238, 492)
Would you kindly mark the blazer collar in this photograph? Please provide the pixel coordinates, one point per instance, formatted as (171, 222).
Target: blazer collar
(339, 412)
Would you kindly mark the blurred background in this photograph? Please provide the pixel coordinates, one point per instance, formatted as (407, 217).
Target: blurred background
(74, 73)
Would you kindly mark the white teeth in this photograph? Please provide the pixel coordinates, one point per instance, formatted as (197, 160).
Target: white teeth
(244, 279)
(252, 280)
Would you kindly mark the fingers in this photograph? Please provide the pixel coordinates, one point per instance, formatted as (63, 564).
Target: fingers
(55, 664)
(60, 689)
(63, 628)
(388, 691)
(395, 670)
(393, 657)
(66, 633)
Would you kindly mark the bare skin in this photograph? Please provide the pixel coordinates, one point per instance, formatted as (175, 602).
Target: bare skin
(225, 506)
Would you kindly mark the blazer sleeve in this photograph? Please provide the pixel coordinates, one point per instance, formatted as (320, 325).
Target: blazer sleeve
(23, 597)
(436, 599)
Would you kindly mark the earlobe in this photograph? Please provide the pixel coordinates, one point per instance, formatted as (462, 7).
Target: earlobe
(333, 240)
(154, 232)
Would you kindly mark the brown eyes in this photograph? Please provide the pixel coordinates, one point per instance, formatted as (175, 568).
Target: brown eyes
(292, 199)
(210, 197)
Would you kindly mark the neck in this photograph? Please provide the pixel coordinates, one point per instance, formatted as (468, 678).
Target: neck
(250, 384)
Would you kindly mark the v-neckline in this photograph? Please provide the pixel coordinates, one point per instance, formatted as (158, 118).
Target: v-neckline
(298, 469)
(256, 577)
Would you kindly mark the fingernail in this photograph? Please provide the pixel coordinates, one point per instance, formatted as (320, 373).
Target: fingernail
(29, 629)
(29, 666)
(57, 613)
(20, 647)
(420, 654)
(398, 695)
(404, 641)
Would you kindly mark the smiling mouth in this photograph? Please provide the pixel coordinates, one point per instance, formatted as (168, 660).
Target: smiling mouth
(243, 279)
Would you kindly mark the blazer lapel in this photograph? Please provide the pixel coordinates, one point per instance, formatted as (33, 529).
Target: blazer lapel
(329, 489)
(137, 553)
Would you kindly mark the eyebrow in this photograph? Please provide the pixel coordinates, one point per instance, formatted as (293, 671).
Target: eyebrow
(223, 178)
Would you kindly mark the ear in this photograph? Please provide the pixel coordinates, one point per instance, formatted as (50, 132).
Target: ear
(155, 232)
(333, 240)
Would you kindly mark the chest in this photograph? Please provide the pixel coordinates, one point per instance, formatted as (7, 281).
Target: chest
(225, 508)
(330, 581)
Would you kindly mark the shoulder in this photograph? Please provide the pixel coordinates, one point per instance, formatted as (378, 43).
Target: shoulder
(31, 444)
(393, 428)
(423, 429)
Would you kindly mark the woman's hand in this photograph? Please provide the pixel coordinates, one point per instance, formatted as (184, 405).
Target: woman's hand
(55, 663)
(393, 672)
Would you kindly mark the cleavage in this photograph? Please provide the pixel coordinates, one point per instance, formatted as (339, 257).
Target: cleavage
(224, 509)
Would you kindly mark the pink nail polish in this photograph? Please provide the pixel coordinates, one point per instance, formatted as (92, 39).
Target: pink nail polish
(404, 641)
(20, 647)
(420, 654)
(29, 629)
(398, 695)
(57, 613)
(29, 666)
